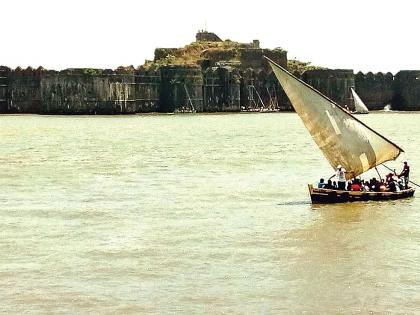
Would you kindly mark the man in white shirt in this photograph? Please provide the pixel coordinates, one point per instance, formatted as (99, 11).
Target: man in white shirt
(341, 177)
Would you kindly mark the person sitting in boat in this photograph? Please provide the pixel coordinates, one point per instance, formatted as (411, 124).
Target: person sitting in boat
(334, 184)
(382, 186)
(356, 185)
(392, 186)
(341, 177)
(389, 178)
(398, 186)
(374, 184)
(365, 186)
(405, 173)
(321, 183)
(329, 185)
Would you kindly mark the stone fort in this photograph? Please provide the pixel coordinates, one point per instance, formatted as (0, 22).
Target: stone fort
(223, 76)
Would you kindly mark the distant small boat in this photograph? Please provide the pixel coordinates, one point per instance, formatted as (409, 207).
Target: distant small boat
(343, 139)
(387, 108)
(358, 104)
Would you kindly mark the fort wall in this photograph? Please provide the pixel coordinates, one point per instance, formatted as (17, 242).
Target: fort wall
(335, 84)
(208, 75)
(24, 90)
(147, 90)
(376, 90)
(180, 88)
(88, 91)
(188, 88)
(406, 90)
(4, 89)
(221, 90)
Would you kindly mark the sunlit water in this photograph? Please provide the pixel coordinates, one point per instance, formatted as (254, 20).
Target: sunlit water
(195, 214)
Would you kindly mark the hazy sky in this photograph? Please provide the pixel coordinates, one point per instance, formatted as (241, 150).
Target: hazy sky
(366, 35)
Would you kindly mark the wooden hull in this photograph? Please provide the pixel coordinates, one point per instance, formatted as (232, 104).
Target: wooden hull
(320, 195)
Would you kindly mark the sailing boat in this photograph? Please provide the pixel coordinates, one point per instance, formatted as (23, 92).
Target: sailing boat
(358, 104)
(342, 138)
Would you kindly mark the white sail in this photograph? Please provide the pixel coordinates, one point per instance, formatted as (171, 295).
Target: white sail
(342, 138)
(358, 103)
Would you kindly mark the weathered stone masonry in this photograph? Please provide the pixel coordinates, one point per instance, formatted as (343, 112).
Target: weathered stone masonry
(24, 90)
(227, 77)
(186, 88)
(78, 91)
(147, 90)
(127, 90)
(181, 88)
(221, 90)
(376, 90)
(4, 89)
(336, 84)
(406, 90)
(88, 91)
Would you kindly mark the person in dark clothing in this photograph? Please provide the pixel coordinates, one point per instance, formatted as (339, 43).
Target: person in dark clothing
(389, 178)
(321, 183)
(374, 185)
(392, 186)
(329, 185)
(405, 174)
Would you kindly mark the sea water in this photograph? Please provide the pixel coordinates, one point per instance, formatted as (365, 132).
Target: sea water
(196, 214)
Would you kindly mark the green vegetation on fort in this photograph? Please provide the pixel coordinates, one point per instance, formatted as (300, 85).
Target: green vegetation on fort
(229, 51)
(297, 66)
(193, 53)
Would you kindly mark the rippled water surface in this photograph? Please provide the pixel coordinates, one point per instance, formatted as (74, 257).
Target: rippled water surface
(195, 214)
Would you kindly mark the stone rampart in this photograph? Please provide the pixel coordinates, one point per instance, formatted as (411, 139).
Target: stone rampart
(24, 90)
(407, 90)
(4, 89)
(181, 89)
(88, 91)
(147, 90)
(221, 89)
(375, 90)
(334, 84)
(189, 88)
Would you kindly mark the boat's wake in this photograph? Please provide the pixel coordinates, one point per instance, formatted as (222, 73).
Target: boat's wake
(295, 203)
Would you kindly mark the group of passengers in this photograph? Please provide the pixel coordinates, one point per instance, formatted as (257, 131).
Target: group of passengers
(392, 183)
